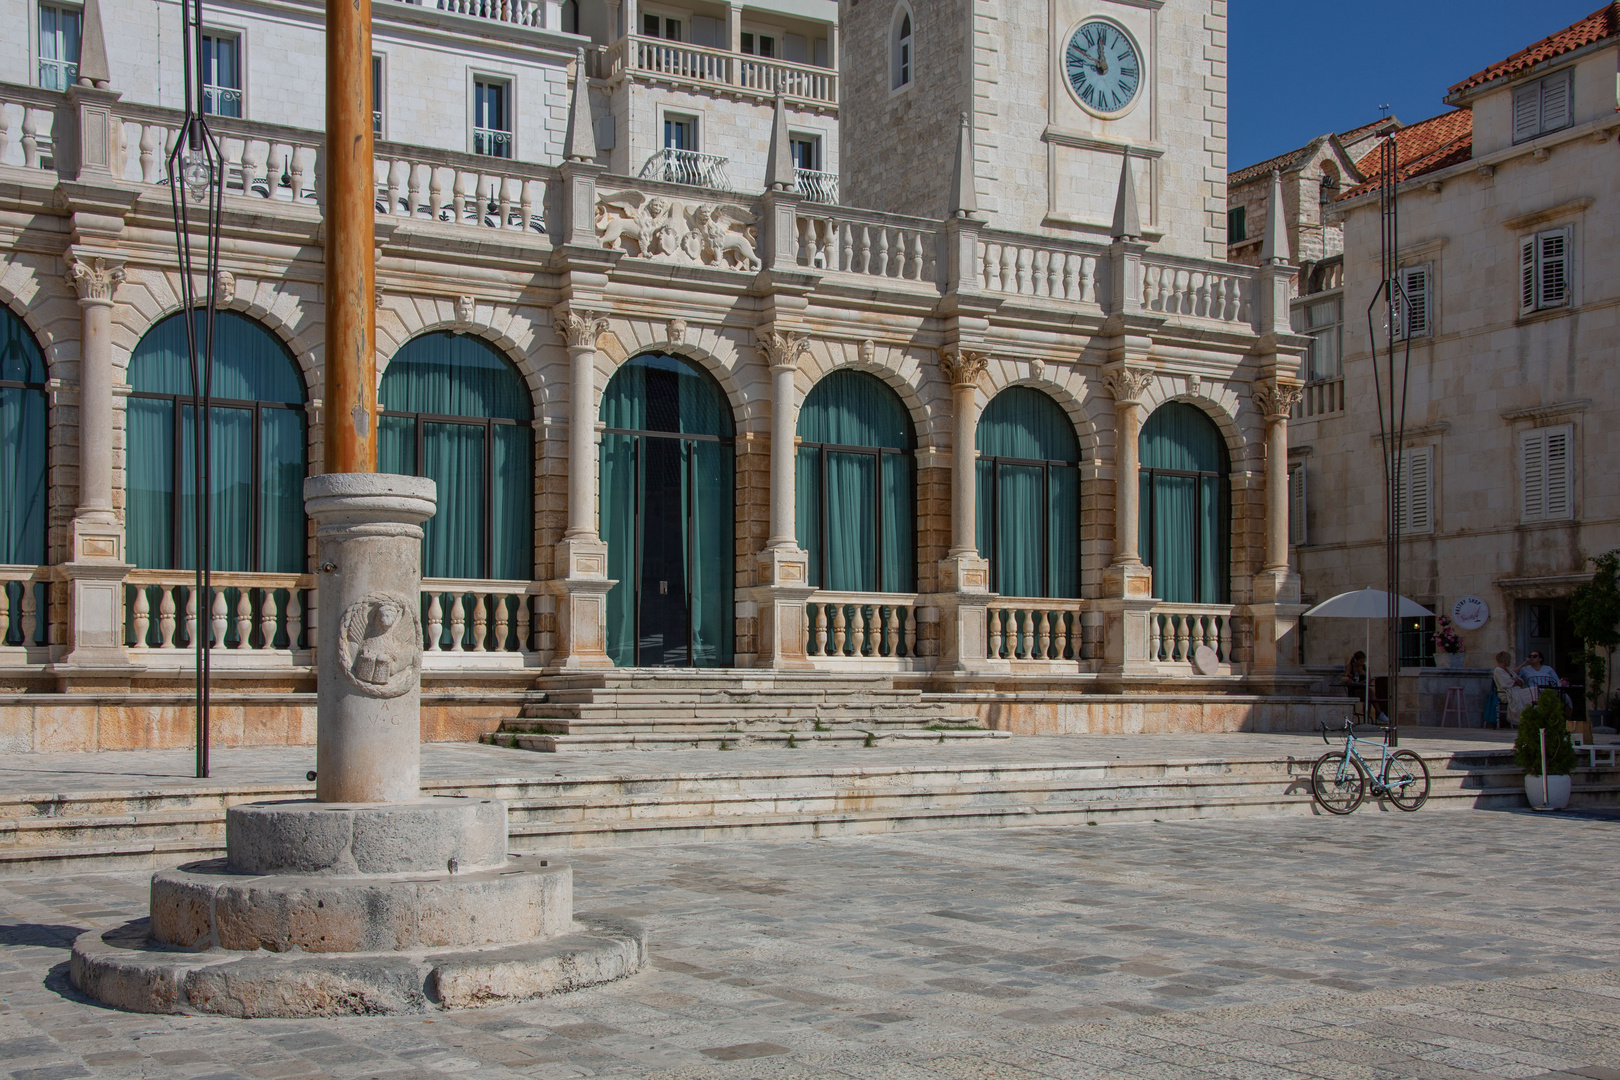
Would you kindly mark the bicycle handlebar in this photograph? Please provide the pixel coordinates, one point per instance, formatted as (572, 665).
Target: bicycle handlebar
(1348, 725)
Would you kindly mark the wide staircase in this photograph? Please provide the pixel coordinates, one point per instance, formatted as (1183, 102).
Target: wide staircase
(683, 710)
(806, 794)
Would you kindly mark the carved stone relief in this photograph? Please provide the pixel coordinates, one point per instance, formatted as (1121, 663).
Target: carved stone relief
(667, 230)
(380, 645)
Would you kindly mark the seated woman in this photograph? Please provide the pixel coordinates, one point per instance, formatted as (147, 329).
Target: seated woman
(1538, 677)
(1355, 681)
(1512, 695)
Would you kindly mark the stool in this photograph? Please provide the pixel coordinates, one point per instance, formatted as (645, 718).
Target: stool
(1454, 705)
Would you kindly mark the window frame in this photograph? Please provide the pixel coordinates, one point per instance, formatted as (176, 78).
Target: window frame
(1408, 526)
(14, 633)
(1400, 291)
(1240, 215)
(239, 36)
(993, 534)
(1533, 270)
(902, 48)
(1545, 436)
(379, 95)
(1525, 132)
(475, 78)
(1303, 327)
(667, 117)
(37, 18)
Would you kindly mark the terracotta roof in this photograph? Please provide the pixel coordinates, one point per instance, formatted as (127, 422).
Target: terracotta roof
(1357, 132)
(1595, 27)
(1281, 163)
(1424, 147)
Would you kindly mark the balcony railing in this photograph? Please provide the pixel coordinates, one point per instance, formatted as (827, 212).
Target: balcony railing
(516, 12)
(674, 61)
(855, 626)
(222, 100)
(478, 617)
(688, 167)
(57, 74)
(22, 599)
(1319, 398)
(492, 142)
(817, 186)
(1175, 631)
(247, 614)
(1034, 629)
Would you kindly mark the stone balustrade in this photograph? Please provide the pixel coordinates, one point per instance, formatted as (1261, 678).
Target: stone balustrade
(862, 625)
(1175, 631)
(866, 244)
(1197, 289)
(27, 117)
(515, 12)
(461, 189)
(22, 598)
(247, 613)
(679, 63)
(1020, 629)
(1012, 264)
(467, 616)
(1319, 398)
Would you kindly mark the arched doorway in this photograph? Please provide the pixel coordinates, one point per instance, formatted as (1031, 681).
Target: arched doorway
(667, 486)
(1185, 516)
(855, 488)
(1029, 495)
(456, 410)
(24, 446)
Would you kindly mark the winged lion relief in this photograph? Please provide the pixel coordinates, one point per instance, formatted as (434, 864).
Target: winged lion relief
(668, 230)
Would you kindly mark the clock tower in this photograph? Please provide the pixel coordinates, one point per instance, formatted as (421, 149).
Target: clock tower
(1056, 92)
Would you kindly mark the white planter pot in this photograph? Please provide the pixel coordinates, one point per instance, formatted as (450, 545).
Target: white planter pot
(1456, 659)
(1557, 791)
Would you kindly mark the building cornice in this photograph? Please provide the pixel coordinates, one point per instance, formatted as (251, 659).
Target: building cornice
(1552, 213)
(1556, 411)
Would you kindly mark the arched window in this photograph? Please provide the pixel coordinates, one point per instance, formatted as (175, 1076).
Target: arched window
(900, 58)
(456, 410)
(1029, 495)
(1186, 505)
(856, 510)
(666, 497)
(257, 453)
(24, 440)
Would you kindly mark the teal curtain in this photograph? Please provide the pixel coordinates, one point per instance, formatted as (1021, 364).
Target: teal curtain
(1028, 495)
(655, 402)
(24, 443)
(256, 518)
(483, 526)
(856, 511)
(1184, 510)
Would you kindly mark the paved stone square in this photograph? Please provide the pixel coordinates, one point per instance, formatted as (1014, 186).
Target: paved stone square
(1383, 945)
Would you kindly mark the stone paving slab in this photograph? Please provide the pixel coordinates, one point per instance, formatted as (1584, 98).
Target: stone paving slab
(1377, 946)
(127, 770)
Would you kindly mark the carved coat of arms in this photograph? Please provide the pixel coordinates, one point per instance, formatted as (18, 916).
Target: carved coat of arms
(380, 645)
(668, 230)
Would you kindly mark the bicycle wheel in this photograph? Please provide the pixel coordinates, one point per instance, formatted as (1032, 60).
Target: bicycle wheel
(1338, 783)
(1408, 780)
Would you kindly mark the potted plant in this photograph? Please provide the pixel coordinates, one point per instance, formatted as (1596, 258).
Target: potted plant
(1594, 615)
(1546, 715)
(1447, 641)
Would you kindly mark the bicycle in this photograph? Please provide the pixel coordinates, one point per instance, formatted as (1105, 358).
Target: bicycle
(1340, 778)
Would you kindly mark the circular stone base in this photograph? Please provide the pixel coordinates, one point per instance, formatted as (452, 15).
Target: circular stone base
(203, 905)
(302, 836)
(124, 969)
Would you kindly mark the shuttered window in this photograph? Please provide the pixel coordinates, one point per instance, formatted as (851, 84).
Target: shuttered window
(1544, 105)
(1547, 474)
(1414, 491)
(1296, 505)
(1414, 307)
(1544, 265)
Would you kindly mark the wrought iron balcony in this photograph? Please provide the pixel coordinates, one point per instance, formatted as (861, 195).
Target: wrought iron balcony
(817, 186)
(492, 142)
(688, 167)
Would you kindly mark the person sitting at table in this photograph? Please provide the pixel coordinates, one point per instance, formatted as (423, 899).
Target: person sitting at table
(1512, 695)
(1355, 680)
(1537, 675)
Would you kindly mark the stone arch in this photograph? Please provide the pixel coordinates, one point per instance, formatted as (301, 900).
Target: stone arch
(1064, 383)
(509, 330)
(747, 390)
(911, 373)
(1222, 404)
(50, 311)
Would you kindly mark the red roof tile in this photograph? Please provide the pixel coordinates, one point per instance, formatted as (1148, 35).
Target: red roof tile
(1424, 147)
(1595, 27)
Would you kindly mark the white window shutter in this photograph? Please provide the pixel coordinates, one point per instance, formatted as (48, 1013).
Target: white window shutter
(1533, 481)
(1527, 275)
(1556, 111)
(1552, 271)
(1559, 502)
(1415, 286)
(1296, 505)
(1420, 493)
(1527, 112)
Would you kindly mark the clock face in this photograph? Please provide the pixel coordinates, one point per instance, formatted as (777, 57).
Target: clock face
(1103, 67)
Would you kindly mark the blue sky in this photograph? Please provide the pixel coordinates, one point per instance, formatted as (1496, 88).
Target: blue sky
(1299, 68)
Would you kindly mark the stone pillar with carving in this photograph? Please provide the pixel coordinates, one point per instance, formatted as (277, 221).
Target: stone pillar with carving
(581, 585)
(1275, 609)
(964, 575)
(95, 569)
(782, 573)
(1127, 583)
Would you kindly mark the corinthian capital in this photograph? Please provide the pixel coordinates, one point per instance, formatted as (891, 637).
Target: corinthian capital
(95, 278)
(781, 350)
(1276, 401)
(579, 328)
(1128, 384)
(962, 367)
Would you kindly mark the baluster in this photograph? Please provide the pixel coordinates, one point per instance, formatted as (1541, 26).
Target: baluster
(435, 622)
(914, 265)
(30, 624)
(480, 621)
(5, 586)
(1223, 639)
(191, 617)
(5, 142)
(399, 174)
(993, 624)
(435, 193)
(165, 617)
(250, 166)
(1009, 267)
(523, 643)
(148, 153)
(296, 174)
(1061, 632)
(467, 209)
(295, 616)
(863, 257)
(862, 637)
(982, 265)
(1088, 278)
(30, 137)
(882, 268)
(1021, 273)
(458, 623)
(312, 615)
(821, 629)
(839, 628)
(140, 615)
(503, 623)
(910, 615)
(831, 250)
(218, 618)
(413, 190)
(525, 204)
(1043, 272)
(1043, 634)
(891, 632)
(244, 618)
(1183, 637)
(268, 606)
(1244, 313)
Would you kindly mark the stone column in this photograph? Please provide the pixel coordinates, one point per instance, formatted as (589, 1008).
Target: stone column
(1127, 584)
(96, 567)
(581, 584)
(783, 570)
(1276, 608)
(734, 27)
(964, 576)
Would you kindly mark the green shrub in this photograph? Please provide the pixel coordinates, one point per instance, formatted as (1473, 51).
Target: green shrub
(1546, 714)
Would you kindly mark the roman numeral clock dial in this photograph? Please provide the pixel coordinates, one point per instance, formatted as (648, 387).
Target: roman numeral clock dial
(1103, 67)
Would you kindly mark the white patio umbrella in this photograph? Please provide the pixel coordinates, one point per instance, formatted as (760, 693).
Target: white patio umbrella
(1368, 604)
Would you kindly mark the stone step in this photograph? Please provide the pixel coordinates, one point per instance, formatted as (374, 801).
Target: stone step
(721, 726)
(705, 738)
(650, 710)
